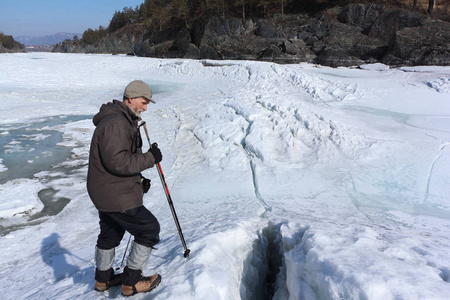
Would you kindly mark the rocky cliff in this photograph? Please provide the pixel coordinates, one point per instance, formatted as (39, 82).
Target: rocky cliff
(11, 50)
(9, 45)
(341, 36)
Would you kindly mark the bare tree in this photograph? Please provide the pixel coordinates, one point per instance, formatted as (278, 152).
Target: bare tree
(242, 4)
(431, 4)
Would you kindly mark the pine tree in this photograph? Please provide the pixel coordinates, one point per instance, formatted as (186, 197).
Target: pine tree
(181, 10)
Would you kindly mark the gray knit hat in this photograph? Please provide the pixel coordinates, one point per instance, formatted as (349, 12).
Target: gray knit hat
(138, 88)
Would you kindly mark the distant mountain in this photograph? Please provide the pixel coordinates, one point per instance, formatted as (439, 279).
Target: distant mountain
(46, 39)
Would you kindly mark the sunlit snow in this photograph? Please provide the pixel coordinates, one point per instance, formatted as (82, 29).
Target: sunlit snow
(289, 181)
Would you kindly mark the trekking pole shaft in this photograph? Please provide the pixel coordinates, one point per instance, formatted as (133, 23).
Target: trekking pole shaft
(124, 254)
(169, 198)
(172, 208)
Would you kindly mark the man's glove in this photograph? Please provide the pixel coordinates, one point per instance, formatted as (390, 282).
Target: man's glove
(146, 183)
(156, 152)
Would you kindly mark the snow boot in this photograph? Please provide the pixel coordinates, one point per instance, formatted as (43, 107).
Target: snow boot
(104, 273)
(133, 282)
(145, 284)
(114, 280)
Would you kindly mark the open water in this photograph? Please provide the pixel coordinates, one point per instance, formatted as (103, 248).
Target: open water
(27, 149)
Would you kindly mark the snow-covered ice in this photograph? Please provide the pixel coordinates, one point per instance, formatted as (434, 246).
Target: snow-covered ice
(20, 196)
(289, 181)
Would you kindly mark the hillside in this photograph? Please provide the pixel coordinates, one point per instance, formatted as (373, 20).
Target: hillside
(334, 36)
(46, 39)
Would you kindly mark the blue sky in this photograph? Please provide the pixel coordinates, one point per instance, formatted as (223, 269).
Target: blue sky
(47, 17)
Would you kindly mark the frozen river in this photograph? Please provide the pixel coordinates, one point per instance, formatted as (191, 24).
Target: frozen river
(290, 181)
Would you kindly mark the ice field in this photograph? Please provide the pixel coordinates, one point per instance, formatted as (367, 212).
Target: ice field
(289, 181)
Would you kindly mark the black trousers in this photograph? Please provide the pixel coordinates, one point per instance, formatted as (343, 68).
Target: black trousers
(139, 222)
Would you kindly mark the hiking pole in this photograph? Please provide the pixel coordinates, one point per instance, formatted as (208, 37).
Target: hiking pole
(124, 254)
(169, 198)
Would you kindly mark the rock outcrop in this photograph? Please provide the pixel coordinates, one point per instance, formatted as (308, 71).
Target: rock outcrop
(348, 36)
(11, 50)
(119, 42)
(425, 45)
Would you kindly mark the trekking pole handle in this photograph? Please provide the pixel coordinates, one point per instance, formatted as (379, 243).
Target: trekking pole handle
(154, 145)
(143, 124)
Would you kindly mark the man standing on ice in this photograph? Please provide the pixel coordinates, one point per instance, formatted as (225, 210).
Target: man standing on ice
(116, 186)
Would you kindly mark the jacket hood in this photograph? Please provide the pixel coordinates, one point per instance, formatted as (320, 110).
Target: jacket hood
(115, 107)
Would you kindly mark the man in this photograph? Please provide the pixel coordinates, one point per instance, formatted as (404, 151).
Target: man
(116, 186)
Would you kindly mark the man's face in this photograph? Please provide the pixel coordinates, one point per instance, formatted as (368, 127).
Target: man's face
(138, 105)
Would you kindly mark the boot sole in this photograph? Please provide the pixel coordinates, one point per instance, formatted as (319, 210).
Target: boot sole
(152, 287)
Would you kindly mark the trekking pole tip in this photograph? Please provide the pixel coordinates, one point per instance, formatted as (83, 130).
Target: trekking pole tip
(186, 253)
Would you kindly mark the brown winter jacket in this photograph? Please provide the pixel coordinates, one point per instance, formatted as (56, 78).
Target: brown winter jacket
(114, 178)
